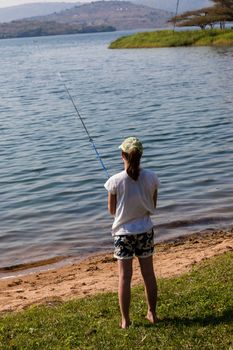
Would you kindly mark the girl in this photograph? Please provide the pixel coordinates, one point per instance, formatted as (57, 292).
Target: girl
(132, 197)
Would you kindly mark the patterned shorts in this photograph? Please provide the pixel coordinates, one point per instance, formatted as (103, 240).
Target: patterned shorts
(140, 245)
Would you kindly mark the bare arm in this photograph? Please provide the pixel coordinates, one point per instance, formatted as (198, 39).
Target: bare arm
(155, 197)
(112, 203)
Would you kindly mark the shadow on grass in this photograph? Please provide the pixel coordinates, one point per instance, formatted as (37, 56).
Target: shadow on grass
(212, 320)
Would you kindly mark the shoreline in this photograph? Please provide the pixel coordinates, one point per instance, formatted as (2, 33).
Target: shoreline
(98, 273)
(169, 38)
(59, 261)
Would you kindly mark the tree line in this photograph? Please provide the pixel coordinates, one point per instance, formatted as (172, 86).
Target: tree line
(219, 14)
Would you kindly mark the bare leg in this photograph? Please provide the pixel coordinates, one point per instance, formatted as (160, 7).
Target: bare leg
(124, 291)
(147, 270)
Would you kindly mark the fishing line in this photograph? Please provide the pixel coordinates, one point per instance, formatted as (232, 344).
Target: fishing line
(84, 126)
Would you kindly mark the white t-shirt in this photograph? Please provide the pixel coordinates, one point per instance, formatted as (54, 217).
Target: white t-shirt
(134, 201)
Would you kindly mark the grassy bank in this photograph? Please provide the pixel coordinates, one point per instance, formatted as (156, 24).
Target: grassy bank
(168, 38)
(195, 311)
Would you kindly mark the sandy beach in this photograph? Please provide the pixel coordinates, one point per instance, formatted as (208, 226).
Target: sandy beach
(97, 274)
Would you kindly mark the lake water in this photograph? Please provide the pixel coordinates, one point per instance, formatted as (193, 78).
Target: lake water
(177, 100)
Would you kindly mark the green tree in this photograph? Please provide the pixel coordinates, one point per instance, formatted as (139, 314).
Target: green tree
(220, 13)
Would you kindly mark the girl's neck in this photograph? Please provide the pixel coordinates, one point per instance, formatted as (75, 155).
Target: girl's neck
(126, 164)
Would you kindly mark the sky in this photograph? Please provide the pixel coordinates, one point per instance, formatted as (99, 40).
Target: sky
(7, 3)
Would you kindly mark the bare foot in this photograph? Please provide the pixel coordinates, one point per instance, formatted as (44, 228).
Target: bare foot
(125, 324)
(152, 318)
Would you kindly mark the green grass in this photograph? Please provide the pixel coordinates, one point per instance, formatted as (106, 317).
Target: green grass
(168, 38)
(195, 311)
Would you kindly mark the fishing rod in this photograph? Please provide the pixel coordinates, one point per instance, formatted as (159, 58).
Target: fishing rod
(84, 126)
(177, 7)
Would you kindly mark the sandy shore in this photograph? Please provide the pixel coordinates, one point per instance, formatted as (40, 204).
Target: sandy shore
(98, 273)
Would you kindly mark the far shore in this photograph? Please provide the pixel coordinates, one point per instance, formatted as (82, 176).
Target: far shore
(98, 274)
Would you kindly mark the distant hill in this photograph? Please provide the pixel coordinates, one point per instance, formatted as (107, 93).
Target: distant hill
(119, 14)
(170, 5)
(13, 13)
(89, 17)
